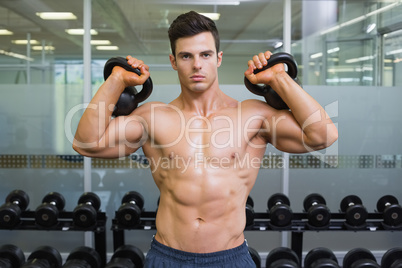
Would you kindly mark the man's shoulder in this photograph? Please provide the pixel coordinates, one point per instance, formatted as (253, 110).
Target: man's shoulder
(253, 104)
(257, 107)
(153, 105)
(156, 107)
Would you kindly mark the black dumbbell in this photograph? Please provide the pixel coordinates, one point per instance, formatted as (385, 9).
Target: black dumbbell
(355, 213)
(85, 214)
(255, 256)
(320, 258)
(280, 213)
(249, 211)
(126, 256)
(282, 257)
(11, 256)
(10, 212)
(84, 257)
(392, 211)
(392, 258)
(129, 213)
(318, 213)
(360, 258)
(47, 213)
(44, 257)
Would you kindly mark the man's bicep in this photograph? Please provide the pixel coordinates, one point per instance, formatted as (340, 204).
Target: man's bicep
(123, 136)
(284, 133)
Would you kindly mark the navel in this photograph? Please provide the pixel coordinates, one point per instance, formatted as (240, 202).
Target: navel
(200, 220)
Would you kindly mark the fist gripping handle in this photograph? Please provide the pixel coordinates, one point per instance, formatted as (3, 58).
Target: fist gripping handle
(271, 97)
(130, 98)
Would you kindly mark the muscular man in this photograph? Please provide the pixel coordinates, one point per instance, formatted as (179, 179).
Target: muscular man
(204, 147)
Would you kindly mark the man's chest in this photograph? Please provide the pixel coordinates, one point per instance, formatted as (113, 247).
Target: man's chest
(216, 132)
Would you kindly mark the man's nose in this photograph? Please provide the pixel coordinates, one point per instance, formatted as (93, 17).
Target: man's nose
(197, 63)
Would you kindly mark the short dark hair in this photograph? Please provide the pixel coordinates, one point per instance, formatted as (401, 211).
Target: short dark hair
(190, 24)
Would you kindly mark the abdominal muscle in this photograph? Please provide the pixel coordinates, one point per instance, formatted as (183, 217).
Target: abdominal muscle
(202, 210)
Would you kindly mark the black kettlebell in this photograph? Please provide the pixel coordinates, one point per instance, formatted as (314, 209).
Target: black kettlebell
(130, 98)
(271, 97)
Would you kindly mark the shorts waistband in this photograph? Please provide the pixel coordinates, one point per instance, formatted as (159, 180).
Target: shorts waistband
(202, 258)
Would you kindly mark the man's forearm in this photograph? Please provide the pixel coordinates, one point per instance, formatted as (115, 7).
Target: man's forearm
(311, 116)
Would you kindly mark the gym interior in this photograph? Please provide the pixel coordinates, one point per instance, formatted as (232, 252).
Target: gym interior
(343, 198)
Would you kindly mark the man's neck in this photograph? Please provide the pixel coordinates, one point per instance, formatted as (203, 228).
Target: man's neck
(202, 103)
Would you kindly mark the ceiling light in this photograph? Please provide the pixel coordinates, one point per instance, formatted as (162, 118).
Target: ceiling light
(24, 42)
(316, 55)
(107, 48)
(80, 31)
(15, 55)
(100, 42)
(56, 15)
(43, 48)
(370, 27)
(320, 54)
(212, 16)
(5, 32)
(365, 58)
(333, 50)
(393, 52)
(278, 44)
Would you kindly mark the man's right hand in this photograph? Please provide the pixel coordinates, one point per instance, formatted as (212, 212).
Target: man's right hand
(264, 77)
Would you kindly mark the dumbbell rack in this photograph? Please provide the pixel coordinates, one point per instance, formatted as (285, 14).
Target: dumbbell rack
(65, 223)
(298, 227)
(147, 223)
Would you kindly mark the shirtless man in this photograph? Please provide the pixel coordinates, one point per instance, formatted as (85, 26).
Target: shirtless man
(210, 144)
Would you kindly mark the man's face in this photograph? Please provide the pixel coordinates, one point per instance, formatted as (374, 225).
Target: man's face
(197, 62)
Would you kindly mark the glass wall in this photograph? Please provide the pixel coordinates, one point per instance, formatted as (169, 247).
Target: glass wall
(348, 54)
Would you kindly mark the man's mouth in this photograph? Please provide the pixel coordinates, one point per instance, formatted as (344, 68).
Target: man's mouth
(197, 77)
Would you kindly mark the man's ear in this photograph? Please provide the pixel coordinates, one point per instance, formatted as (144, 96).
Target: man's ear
(173, 61)
(220, 55)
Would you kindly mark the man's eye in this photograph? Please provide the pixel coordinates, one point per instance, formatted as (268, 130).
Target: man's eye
(207, 55)
(185, 56)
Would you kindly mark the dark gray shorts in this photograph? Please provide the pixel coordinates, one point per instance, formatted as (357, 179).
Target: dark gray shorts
(163, 256)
